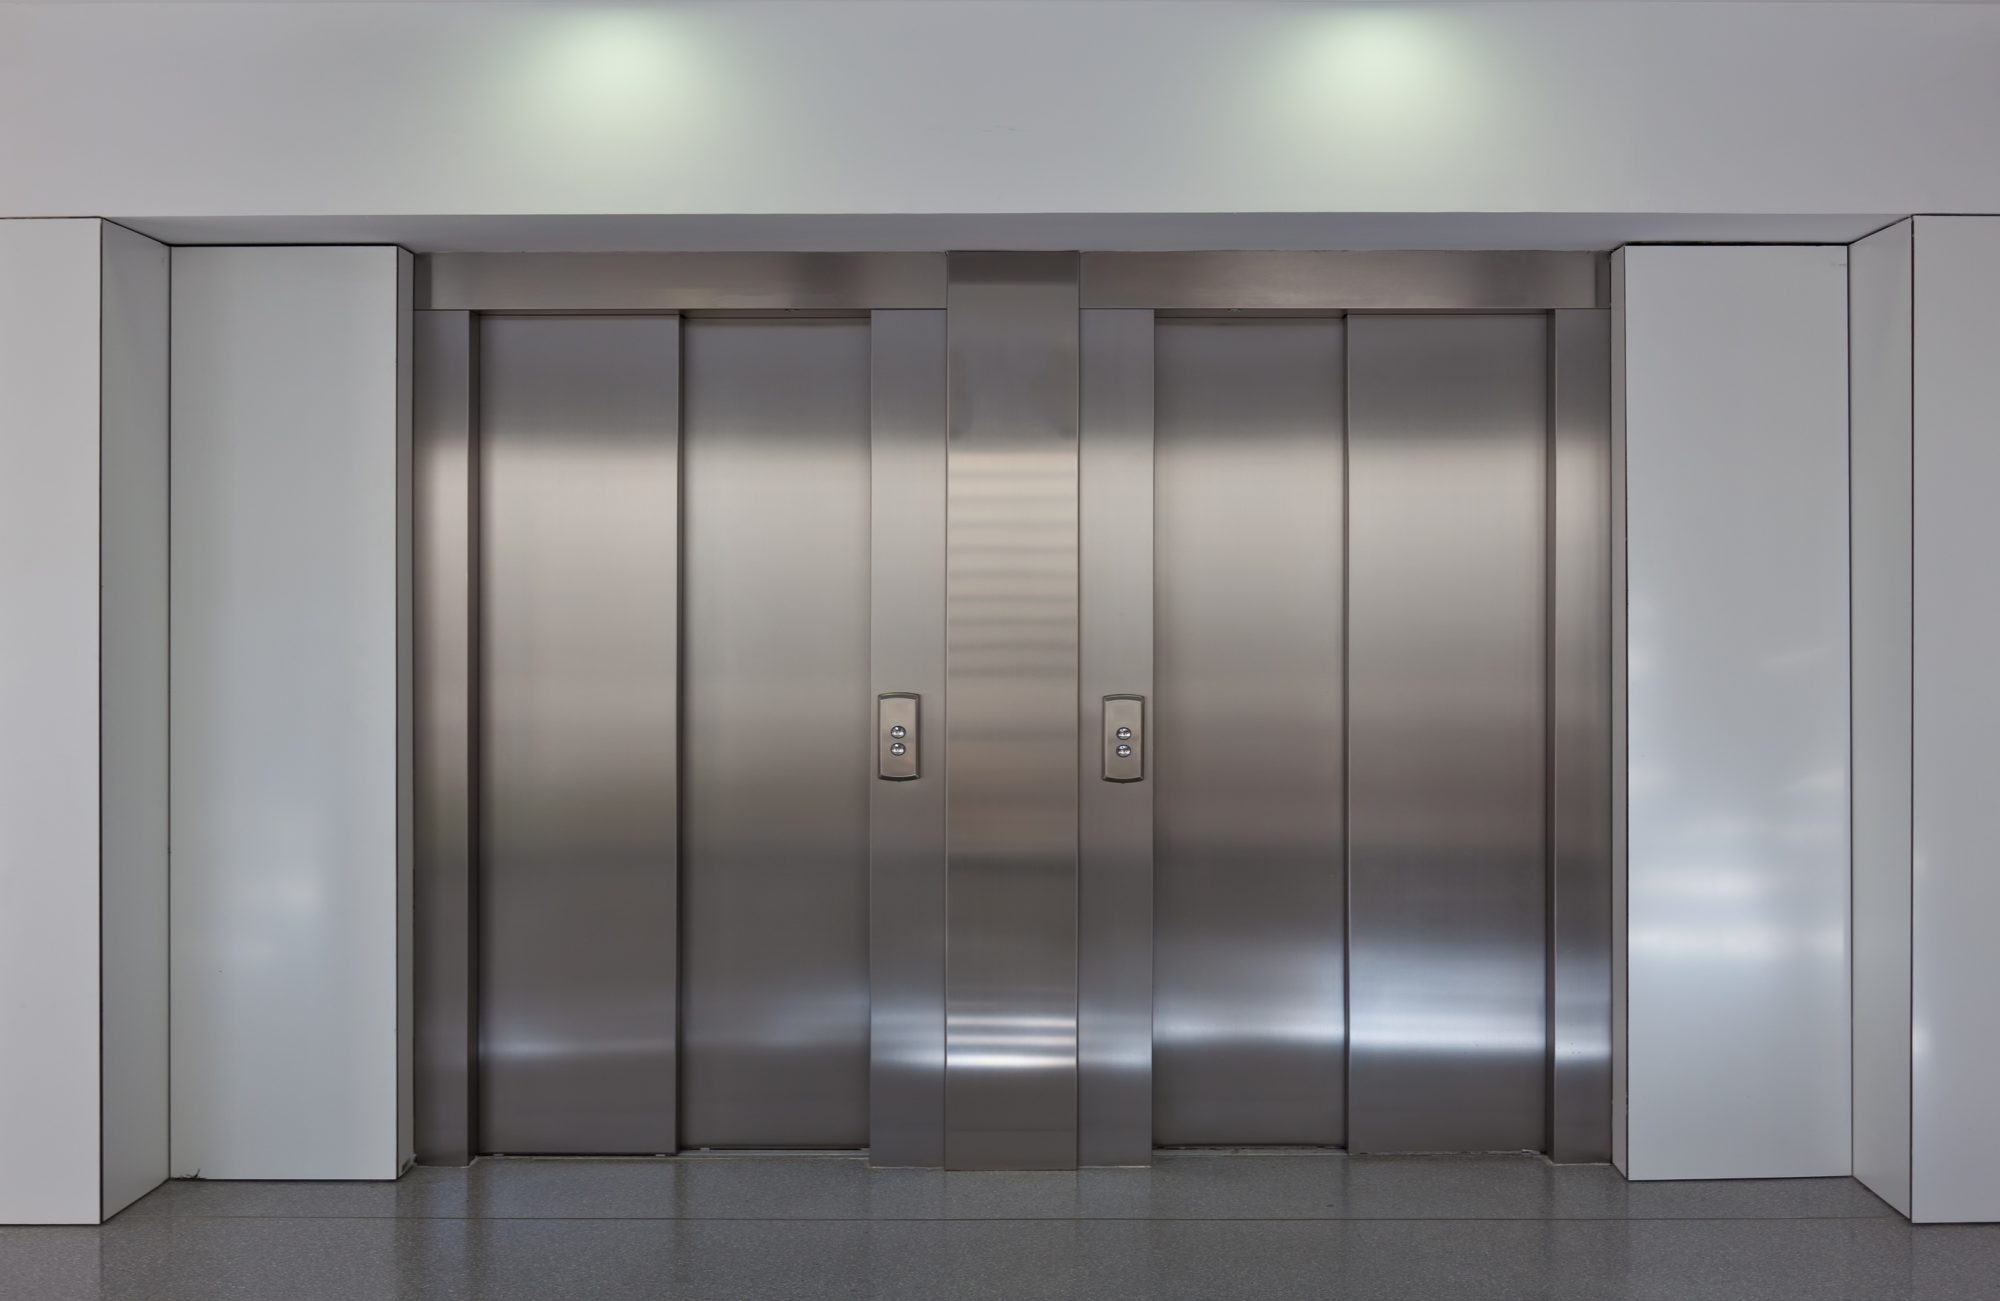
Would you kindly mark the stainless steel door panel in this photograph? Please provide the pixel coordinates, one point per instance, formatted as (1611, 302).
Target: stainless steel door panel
(1247, 731)
(1447, 436)
(777, 734)
(1011, 726)
(577, 892)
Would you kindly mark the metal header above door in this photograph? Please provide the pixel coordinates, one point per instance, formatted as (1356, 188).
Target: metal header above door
(1378, 281)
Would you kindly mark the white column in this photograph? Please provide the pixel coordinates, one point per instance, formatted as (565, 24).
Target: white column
(1927, 709)
(83, 699)
(1731, 962)
(291, 790)
(1883, 540)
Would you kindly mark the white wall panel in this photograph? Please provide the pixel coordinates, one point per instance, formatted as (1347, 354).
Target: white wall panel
(133, 537)
(83, 701)
(1736, 890)
(1883, 538)
(290, 866)
(1955, 1074)
(48, 722)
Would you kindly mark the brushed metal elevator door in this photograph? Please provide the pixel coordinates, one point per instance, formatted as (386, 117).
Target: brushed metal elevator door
(1350, 855)
(776, 734)
(1248, 1023)
(675, 734)
(1447, 854)
(576, 887)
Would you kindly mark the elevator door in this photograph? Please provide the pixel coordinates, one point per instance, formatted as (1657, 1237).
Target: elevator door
(675, 734)
(1448, 423)
(1349, 821)
(775, 735)
(579, 457)
(1249, 887)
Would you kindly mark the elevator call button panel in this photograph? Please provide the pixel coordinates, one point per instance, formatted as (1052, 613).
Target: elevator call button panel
(896, 737)
(1124, 738)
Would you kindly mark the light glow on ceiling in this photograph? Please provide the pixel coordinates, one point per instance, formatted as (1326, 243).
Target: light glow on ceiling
(594, 80)
(1392, 75)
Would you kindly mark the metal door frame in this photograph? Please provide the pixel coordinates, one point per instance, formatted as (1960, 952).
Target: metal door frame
(902, 292)
(1118, 295)
(1121, 295)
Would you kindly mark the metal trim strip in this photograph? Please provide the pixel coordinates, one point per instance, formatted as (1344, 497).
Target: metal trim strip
(1580, 744)
(444, 509)
(679, 282)
(1408, 280)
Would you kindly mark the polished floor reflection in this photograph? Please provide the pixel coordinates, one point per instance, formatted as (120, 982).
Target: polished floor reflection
(1195, 1226)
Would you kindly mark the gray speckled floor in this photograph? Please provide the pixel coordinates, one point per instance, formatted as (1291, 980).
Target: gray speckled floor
(1193, 1226)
